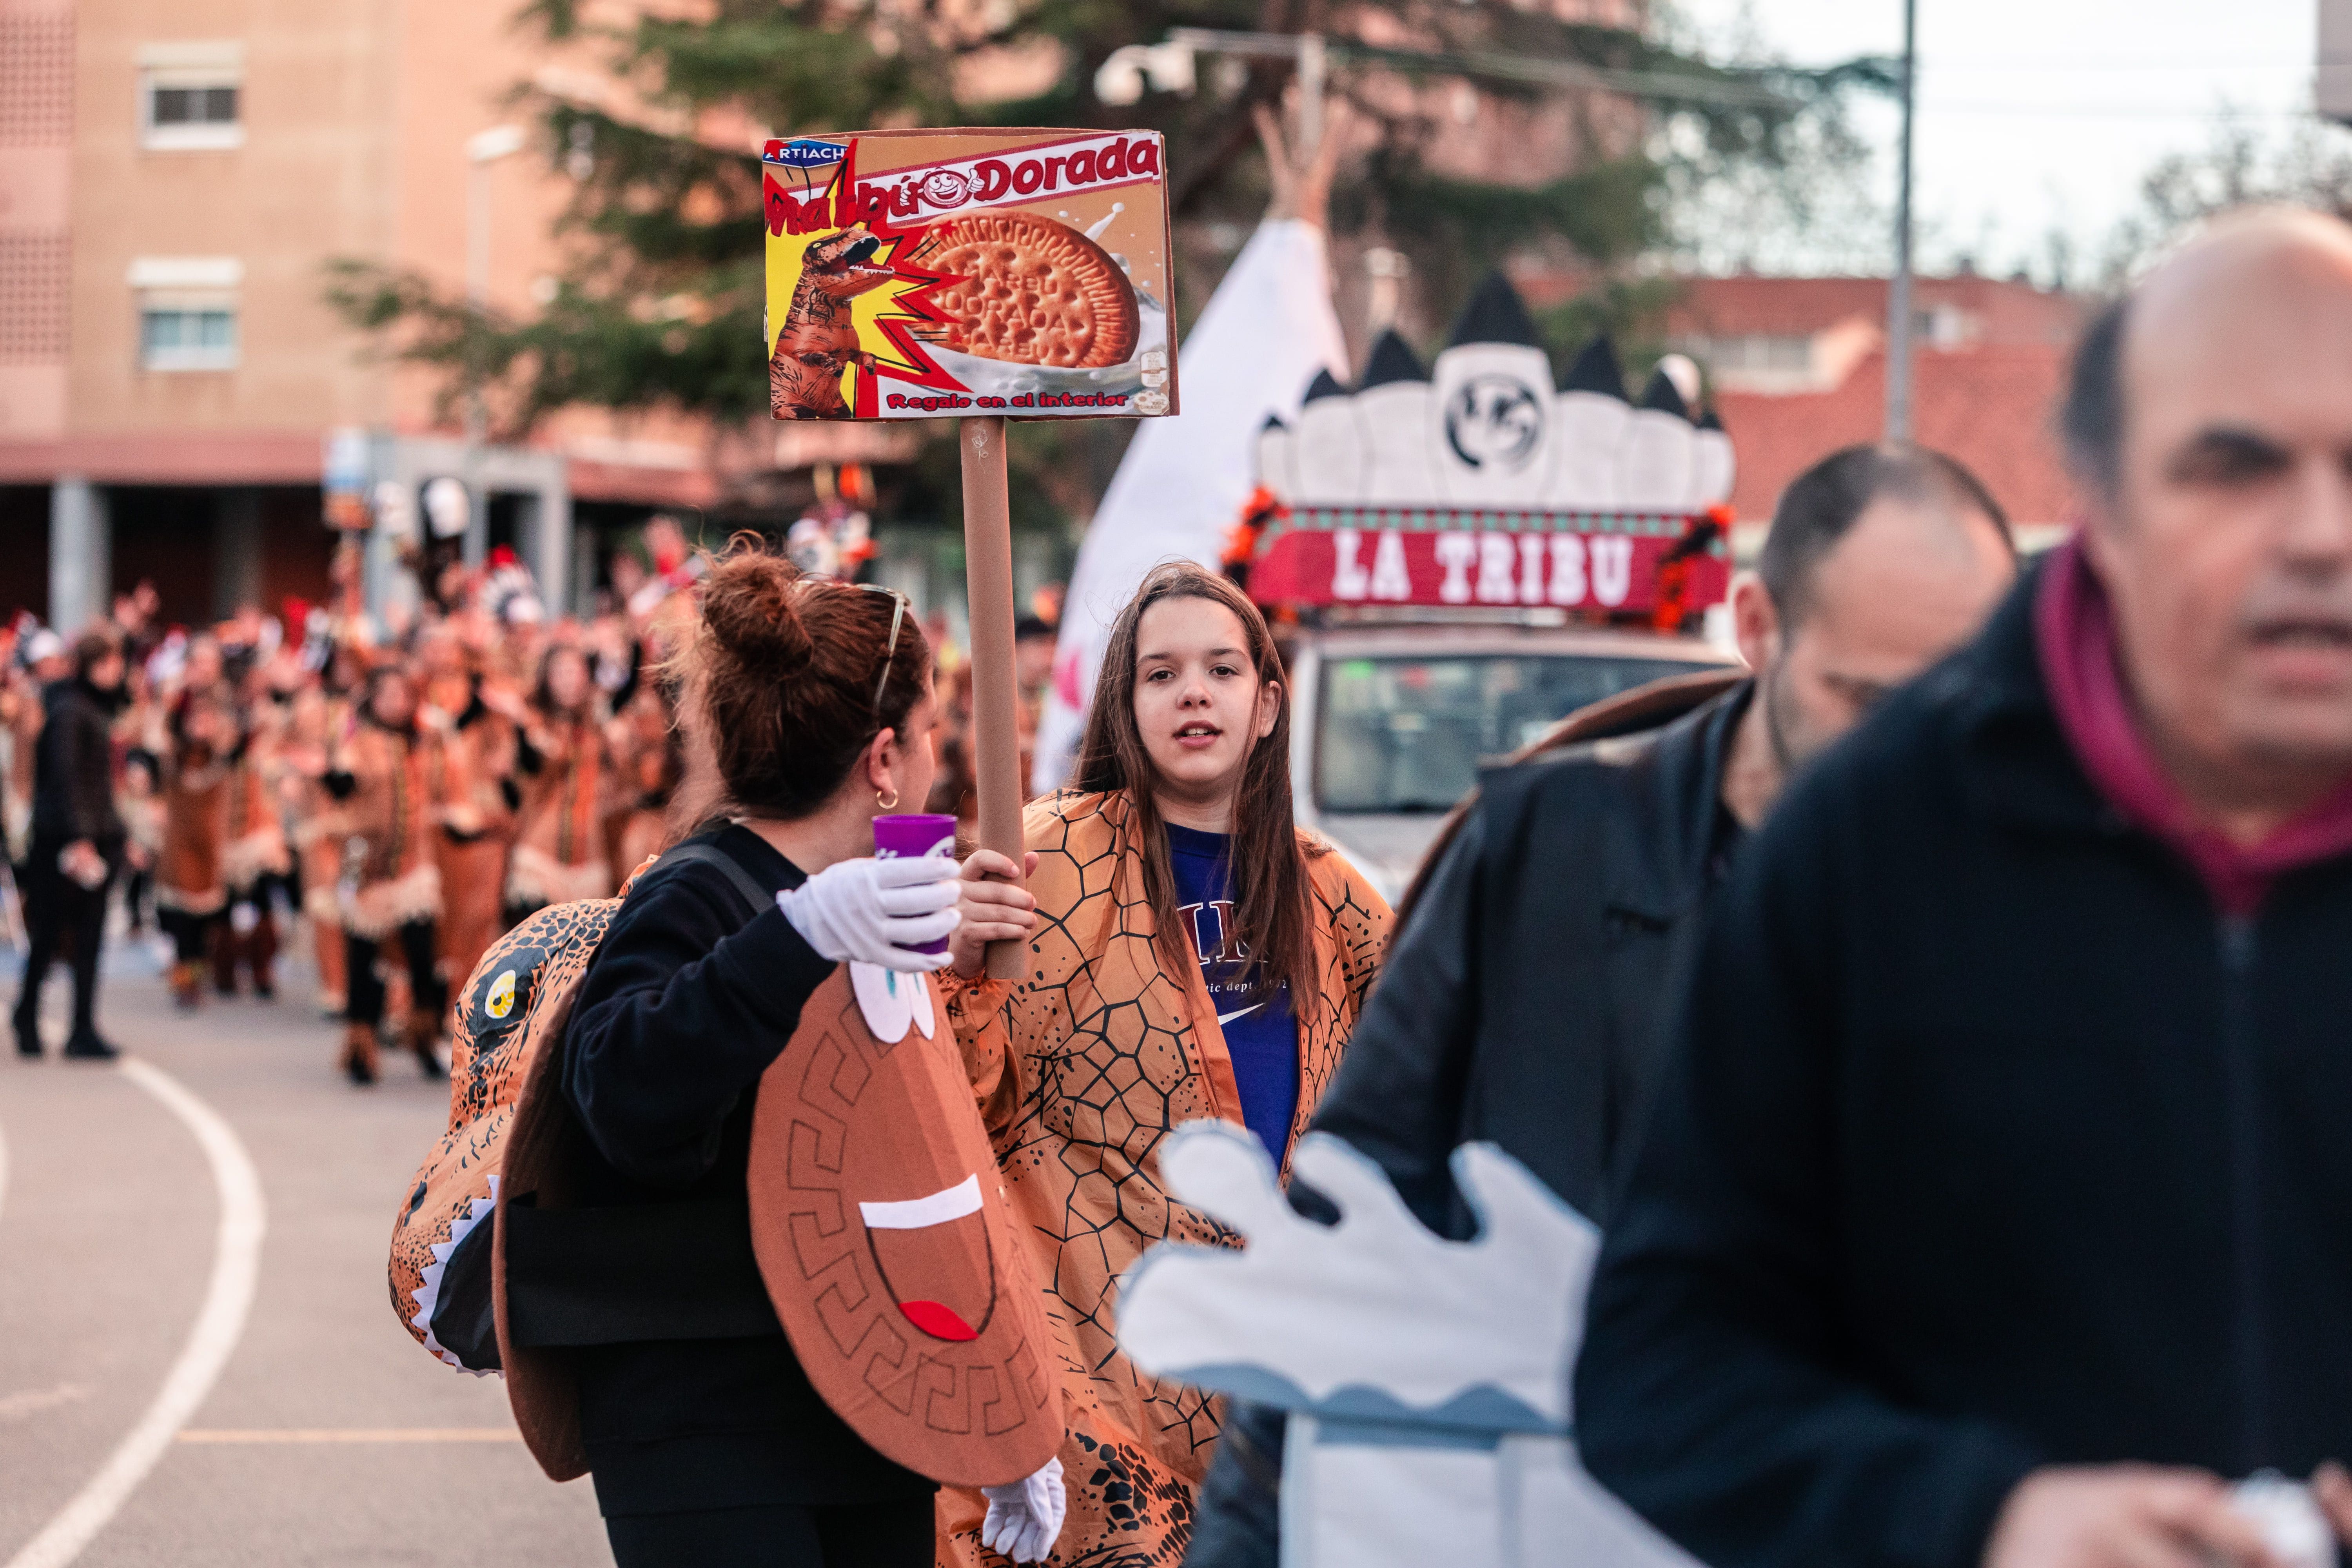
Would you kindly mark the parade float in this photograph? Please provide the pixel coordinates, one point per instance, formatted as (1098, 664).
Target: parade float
(1475, 482)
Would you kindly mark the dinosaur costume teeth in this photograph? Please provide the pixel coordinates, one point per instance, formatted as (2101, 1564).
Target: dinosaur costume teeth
(428, 1295)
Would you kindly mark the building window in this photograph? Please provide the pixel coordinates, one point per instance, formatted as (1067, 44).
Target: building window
(1748, 355)
(191, 97)
(187, 311)
(176, 338)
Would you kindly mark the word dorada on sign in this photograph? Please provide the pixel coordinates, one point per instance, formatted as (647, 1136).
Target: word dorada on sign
(921, 274)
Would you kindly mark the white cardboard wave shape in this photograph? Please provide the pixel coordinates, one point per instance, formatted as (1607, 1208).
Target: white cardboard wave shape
(1376, 1301)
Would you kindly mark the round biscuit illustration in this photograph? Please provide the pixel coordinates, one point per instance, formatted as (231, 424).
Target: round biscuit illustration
(1034, 291)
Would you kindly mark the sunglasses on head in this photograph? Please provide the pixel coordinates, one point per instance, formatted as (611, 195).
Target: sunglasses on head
(889, 653)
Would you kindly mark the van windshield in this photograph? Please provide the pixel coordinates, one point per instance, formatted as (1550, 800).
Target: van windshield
(1408, 734)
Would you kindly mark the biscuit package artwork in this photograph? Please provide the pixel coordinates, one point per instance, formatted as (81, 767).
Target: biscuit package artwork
(940, 274)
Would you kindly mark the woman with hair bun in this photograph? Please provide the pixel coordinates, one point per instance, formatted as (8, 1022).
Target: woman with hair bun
(1199, 956)
(808, 705)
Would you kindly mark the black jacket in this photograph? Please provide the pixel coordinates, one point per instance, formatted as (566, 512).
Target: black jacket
(690, 1396)
(73, 767)
(1524, 1000)
(1987, 1143)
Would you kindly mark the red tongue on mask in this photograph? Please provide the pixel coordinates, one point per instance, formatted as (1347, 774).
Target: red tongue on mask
(938, 1321)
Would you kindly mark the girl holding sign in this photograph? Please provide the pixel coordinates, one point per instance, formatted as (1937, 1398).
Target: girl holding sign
(1197, 956)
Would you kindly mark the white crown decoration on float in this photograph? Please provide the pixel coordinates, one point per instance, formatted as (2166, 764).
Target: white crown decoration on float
(1475, 481)
(1427, 1380)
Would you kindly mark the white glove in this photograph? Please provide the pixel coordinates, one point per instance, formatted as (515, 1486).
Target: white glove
(872, 911)
(1025, 1519)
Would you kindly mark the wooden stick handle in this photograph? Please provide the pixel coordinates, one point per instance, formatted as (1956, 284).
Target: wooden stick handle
(995, 724)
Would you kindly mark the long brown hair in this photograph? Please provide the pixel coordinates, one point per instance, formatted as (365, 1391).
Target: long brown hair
(1269, 869)
(780, 677)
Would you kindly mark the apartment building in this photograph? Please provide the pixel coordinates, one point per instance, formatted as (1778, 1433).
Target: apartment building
(175, 176)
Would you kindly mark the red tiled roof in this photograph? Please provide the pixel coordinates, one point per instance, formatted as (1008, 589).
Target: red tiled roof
(1990, 407)
(1998, 311)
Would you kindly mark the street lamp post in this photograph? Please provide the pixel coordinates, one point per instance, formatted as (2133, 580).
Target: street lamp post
(1898, 295)
(482, 150)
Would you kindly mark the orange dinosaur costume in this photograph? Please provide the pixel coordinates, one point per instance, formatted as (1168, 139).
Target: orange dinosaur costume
(1080, 1071)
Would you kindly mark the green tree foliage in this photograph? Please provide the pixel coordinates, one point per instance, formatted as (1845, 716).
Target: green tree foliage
(660, 304)
(2243, 163)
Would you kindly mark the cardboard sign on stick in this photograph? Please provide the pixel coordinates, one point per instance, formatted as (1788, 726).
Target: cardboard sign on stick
(929, 274)
(982, 275)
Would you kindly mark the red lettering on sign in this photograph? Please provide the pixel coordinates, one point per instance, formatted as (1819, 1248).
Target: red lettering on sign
(994, 179)
(1026, 177)
(1113, 163)
(1082, 167)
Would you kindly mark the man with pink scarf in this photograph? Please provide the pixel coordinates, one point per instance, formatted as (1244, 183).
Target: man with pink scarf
(1997, 1207)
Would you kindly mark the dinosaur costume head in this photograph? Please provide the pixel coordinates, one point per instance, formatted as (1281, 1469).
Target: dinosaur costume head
(839, 266)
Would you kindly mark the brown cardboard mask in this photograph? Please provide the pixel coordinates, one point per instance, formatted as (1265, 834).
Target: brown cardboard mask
(885, 1244)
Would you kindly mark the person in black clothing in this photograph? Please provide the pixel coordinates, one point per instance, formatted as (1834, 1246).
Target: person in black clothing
(1994, 1210)
(811, 701)
(1525, 997)
(77, 842)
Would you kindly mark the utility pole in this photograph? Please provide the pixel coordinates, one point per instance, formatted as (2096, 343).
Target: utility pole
(482, 150)
(1898, 294)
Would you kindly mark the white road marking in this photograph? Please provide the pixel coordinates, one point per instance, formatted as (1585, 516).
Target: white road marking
(213, 1437)
(220, 1322)
(33, 1401)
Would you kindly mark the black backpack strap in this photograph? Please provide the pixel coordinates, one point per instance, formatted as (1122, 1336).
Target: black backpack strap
(702, 850)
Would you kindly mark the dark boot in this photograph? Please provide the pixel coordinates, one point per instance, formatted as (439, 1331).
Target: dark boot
(261, 952)
(92, 1048)
(360, 1053)
(226, 945)
(422, 1030)
(29, 1032)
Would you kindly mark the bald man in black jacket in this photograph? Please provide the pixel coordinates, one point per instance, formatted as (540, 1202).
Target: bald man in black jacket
(1995, 1213)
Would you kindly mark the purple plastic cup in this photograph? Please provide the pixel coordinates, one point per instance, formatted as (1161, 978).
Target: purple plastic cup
(912, 833)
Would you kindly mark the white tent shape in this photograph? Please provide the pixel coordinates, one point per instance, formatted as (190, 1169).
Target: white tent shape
(1264, 334)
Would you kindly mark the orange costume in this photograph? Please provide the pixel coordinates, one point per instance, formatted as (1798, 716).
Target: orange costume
(319, 831)
(190, 889)
(568, 785)
(474, 761)
(255, 852)
(1080, 1069)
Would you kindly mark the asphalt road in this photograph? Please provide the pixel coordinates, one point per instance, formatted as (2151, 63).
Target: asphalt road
(330, 1437)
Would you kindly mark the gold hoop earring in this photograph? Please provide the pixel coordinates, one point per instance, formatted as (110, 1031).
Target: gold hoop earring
(890, 804)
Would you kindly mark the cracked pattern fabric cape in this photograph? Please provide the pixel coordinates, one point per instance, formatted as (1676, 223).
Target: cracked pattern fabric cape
(1081, 1070)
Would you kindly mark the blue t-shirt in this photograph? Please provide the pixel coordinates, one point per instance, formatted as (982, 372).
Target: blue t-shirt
(1261, 1031)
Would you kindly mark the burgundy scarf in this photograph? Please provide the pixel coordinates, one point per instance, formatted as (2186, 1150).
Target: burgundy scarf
(2074, 635)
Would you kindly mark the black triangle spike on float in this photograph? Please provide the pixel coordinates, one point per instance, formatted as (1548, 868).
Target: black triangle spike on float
(1496, 314)
(1273, 422)
(1663, 395)
(1710, 420)
(1393, 360)
(1325, 384)
(1597, 370)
